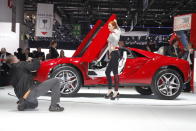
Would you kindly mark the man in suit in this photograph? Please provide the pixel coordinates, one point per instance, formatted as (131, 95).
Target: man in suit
(3, 55)
(28, 54)
(4, 68)
(39, 54)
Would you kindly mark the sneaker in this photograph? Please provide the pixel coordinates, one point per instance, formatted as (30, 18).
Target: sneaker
(56, 108)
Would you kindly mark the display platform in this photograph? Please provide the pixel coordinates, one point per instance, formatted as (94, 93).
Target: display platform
(90, 111)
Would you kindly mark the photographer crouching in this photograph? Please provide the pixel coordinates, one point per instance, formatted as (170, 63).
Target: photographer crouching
(25, 90)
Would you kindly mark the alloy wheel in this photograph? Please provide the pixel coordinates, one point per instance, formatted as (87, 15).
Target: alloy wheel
(69, 81)
(168, 84)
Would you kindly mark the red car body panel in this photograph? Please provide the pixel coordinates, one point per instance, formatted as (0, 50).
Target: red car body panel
(139, 70)
(98, 43)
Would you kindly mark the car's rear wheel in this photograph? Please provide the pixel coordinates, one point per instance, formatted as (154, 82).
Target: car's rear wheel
(71, 80)
(144, 90)
(167, 84)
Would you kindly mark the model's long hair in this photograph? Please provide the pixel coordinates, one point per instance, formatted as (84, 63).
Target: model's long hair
(113, 23)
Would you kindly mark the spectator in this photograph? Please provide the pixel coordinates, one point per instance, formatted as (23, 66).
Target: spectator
(148, 47)
(173, 49)
(151, 46)
(20, 55)
(53, 50)
(34, 52)
(48, 56)
(189, 56)
(3, 55)
(4, 68)
(28, 54)
(62, 54)
(39, 54)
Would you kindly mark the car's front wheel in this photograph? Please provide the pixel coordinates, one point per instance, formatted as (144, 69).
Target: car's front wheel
(167, 84)
(71, 80)
(144, 90)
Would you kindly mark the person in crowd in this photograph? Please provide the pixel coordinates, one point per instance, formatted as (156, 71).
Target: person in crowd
(3, 55)
(53, 51)
(28, 54)
(151, 45)
(39, 54)
(148, 47)
(26, 92)
(162, 49)
(173, 50)
(48, 56)
(62, 54)
(189, 56)
(113, 40)
(20, 54)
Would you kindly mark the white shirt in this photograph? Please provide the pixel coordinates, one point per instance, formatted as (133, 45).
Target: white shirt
(113, 39)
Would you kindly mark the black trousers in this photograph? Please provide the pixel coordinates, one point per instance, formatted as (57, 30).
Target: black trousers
(113, 67)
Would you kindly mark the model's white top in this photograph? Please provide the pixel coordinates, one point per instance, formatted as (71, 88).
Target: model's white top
(113, 39)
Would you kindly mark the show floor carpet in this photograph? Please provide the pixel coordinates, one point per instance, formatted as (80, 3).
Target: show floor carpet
(89, 111)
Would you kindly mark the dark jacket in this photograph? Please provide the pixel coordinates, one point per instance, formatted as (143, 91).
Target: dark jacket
(3, 64)
(53, 53)
(40, 55)
(170, 51)
(28, 55)
(22, 77)
(20, 56)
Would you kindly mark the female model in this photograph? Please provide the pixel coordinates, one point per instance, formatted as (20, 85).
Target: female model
(113, 40)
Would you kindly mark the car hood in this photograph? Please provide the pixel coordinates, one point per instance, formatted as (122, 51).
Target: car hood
(95, 42)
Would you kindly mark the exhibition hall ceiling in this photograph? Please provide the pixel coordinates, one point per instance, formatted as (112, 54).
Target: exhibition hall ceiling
(139, 12)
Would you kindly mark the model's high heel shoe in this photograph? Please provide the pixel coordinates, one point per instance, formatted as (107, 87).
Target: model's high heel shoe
(107, 96)
(115, 97)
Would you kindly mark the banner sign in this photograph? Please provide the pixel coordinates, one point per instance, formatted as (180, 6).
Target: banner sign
(44, 21)
(182, 22)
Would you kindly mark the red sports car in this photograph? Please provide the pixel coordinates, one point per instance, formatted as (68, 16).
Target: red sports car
(148, 72)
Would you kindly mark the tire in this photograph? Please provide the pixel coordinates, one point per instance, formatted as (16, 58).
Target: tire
(71, 80)
(167, 84)
(143, 90)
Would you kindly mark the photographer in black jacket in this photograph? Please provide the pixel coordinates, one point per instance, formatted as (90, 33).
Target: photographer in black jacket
(27, 93)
